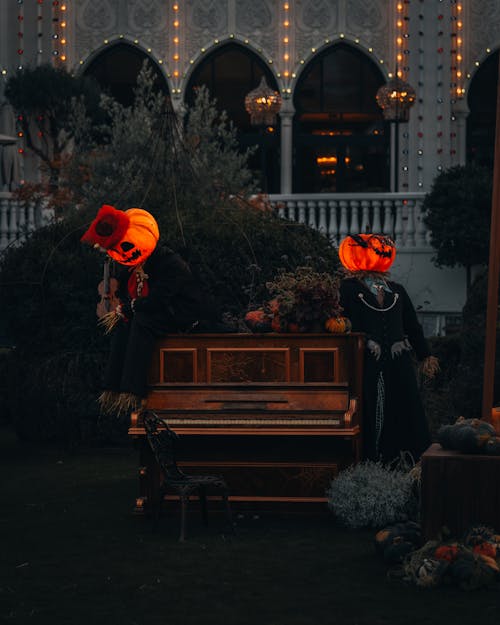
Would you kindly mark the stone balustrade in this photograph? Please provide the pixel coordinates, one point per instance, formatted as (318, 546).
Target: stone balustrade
(398, 215)
(18, 219)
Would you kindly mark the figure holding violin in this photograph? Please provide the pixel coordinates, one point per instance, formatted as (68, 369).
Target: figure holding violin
(107, 291)
(154, 294)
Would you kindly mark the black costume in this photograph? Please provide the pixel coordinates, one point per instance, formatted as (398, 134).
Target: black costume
(394, 418)
(174, 303)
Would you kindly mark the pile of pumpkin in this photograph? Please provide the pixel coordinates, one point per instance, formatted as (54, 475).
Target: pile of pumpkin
(470, 436)
(470, 563)
(268, 319)
(302, 300)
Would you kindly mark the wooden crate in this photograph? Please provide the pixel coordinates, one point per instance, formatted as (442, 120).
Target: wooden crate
(459, 491)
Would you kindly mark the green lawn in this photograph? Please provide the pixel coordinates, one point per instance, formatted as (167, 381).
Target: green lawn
(73, 553)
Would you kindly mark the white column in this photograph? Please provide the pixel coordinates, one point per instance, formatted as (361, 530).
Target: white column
(286, 114)
(460, 113)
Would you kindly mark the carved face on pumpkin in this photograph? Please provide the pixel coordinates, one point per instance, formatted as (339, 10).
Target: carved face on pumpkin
(367, 252)
(128, 237)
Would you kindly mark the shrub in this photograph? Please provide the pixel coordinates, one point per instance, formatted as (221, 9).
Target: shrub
(371, 494)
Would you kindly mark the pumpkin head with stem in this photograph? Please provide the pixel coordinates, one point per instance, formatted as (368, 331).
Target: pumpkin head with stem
(367, 252)
(129, 237)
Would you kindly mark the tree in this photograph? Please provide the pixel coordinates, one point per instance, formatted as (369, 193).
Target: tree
(457, 213)
(43, 98)
(195, 182)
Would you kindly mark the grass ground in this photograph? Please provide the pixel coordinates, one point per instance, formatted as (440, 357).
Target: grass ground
(73, 553)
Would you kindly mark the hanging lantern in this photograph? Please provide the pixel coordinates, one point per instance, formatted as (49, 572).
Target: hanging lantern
(263, 104)
(367, 252)
(395, 98)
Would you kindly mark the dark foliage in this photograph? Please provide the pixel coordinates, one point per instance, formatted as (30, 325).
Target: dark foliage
(467, 388)
(458, 210)
(49, 289)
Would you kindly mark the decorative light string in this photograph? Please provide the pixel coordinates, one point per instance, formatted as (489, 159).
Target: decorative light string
(20, 32)
(457, 24)
(58, 19)
(439, 84)
(402, 69)
(457, 89)
(420, 100)
(39, 32)
(63, 42)
(176, 46)
(285, 44)
(402, 36)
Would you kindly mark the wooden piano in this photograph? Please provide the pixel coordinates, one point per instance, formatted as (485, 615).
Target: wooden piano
(276, 414)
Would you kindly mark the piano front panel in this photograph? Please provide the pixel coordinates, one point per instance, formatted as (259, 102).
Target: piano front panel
(244, 397)
(248, 364)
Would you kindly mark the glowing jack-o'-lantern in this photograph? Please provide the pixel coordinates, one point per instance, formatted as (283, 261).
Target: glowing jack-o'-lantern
(367, 252)
(129, 237)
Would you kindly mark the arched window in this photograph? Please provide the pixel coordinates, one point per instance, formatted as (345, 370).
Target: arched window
(230, 73)
(341, 143)
(116, 69)
(482, 100)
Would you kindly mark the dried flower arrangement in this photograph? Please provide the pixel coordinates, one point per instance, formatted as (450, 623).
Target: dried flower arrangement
(304, 300)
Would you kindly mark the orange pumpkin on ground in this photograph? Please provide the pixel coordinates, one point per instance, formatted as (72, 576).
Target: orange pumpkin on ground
(367, 252)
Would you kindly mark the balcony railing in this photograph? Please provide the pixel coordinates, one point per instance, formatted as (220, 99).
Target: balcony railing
(19, 219)
(398, 215)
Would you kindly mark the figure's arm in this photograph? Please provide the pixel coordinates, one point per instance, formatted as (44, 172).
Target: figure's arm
(429, 364)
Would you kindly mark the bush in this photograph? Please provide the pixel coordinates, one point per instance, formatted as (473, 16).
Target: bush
(194, 183)
(48, 289)
(371, 494)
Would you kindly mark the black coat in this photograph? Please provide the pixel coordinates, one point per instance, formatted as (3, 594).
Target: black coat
(394, 418)
(175, 303)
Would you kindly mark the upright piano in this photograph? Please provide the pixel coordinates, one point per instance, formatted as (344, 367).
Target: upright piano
(278, 415)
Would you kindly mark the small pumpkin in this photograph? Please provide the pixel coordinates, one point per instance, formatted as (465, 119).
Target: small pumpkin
(367, 252)
(338, 325)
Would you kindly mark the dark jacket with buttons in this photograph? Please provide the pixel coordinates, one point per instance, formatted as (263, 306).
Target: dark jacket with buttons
(393, 414)
(386, 325)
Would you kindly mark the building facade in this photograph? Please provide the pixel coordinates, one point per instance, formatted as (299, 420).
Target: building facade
(331, 159)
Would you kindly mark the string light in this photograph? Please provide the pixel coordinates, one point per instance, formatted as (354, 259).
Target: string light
(59, 31)
(285, 21)
(20, 32)
(176, 45)
(420, 104)
(402, 35)
(457, 24)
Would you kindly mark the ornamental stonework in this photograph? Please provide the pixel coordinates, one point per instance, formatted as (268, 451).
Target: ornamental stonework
(315, 21)
(94, 22)
(257, 20)
(207, 19)
(370, 21)
(484, 28)
(145, 20)
(147, 16)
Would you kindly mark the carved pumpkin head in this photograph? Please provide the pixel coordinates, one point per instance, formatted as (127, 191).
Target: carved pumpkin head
(367, 252)
(129, 237)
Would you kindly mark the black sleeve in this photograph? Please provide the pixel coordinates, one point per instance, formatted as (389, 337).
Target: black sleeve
(350, 304)
(412, 326)
(175, 296)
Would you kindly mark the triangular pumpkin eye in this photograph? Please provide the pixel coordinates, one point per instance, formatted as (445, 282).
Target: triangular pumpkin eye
(127, 246)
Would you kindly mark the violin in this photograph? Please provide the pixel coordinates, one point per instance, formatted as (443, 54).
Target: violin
(107, 290)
